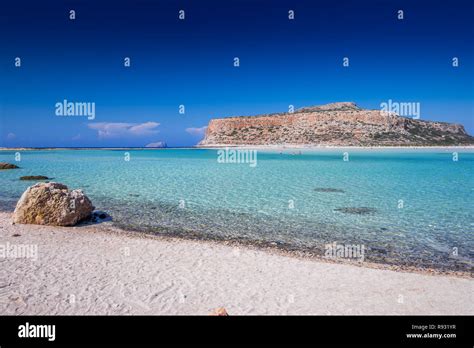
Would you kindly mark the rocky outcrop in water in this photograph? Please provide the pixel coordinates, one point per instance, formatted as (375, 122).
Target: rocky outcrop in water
(336, 124)
(52, 204)
(4, 165)
(34, 177)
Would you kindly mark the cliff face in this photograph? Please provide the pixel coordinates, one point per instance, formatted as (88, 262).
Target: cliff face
(342, 124)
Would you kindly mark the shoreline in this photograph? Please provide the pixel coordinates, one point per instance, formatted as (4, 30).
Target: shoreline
(286, 250)
(283, 250)
(279, 248)
(112, 271)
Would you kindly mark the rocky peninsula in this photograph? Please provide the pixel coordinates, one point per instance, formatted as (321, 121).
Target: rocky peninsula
(336, 124)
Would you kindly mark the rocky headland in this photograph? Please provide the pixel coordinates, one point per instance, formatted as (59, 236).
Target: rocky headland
(336, 124)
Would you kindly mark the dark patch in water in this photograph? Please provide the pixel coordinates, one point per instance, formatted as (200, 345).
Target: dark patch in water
(98, 214)
(356, 210)
(97, 217)
(34, 177)
(133, 195)
(328, 189)
(378, 250)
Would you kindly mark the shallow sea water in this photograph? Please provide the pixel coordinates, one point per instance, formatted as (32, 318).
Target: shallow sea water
(406, 207)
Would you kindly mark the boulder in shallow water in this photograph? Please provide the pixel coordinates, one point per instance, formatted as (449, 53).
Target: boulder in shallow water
(52, 204)
(34, 177)
(5, 165)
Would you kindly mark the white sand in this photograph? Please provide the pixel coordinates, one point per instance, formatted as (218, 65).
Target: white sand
(88, 270)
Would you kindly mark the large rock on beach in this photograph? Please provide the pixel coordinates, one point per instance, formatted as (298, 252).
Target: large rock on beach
(5, 165)
(52, 204)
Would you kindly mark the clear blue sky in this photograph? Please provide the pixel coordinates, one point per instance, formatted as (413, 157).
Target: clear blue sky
(190, 62)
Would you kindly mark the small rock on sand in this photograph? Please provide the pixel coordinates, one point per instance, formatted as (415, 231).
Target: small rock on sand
(220, 312)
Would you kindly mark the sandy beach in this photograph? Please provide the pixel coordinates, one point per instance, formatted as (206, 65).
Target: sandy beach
(97, 269)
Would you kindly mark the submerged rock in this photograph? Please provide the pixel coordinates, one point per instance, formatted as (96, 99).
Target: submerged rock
(100, 216)
(378, 250)
(34, 177)
(356, 210)
(52, 204)
(328, 189)
(5, 165)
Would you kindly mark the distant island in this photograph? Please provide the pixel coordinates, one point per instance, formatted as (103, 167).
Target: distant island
(335, 124)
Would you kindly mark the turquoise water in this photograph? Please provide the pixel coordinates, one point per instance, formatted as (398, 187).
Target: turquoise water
(285, 199)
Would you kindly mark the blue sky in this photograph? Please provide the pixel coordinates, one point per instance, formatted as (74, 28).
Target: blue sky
(190, 62)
